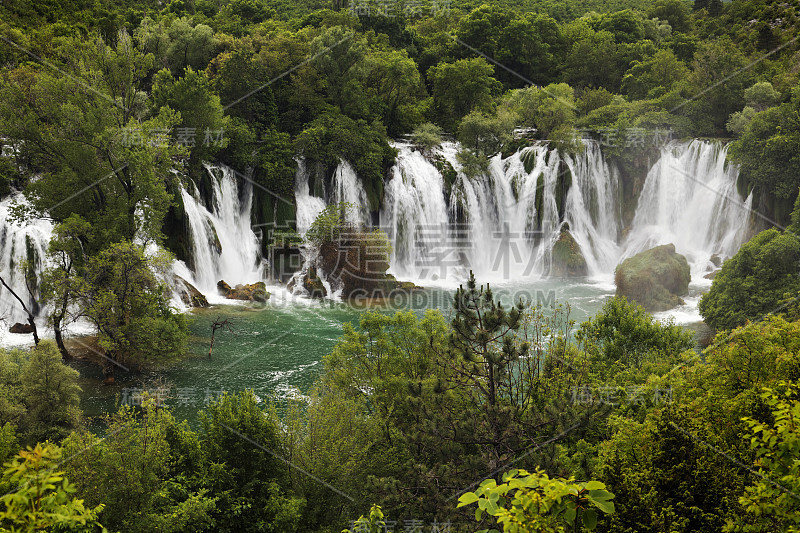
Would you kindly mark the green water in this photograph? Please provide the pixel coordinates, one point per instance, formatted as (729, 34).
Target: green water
(277, 351)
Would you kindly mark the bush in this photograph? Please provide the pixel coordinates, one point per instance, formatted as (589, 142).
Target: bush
(427, 137)
(753, 282)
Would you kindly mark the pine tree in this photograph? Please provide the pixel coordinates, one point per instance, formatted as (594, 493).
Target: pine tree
(482, 337)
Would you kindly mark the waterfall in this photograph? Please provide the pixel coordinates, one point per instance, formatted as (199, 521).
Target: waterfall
(17, 245)
(504, 223)
(308, 206)
(224, 245)
(593, 209)
(690, 199)
(346, 187)
(415, 212)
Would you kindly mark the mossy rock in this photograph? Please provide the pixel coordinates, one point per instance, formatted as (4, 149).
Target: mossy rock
(568, 260)
(189, 293)
(313, 285)
(655, 278)
(255, 292)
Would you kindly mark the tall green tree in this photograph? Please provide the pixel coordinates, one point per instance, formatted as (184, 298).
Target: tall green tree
(460, 87)
(87, 132)
(121, 296)
(754, 282)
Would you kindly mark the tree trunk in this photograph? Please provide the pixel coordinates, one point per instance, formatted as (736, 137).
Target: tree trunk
(108, 370)
(33, 325)
(31, 320)
(65, 355)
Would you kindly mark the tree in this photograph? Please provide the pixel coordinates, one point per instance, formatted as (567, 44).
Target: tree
(593, 61)
(87, 133)
(548, 109)
(654, 76)
(624, 332)
(67, 255)
(528, 502)
(50, 389)
(147, 469)
(460, 87)
(626, 26)
(753, 282)
(480, 337)
(675, 12)
(244, 440)
(738, 122)
(761, 96)
(178, 45)
(339, 58)
(427, 137)
(484, 134)
(237, 77)
(43, 499)
(716, 85)
(202, 123)
(39, 393)
(772, 502)
(767, 152)
(123, 299)
(393, 78)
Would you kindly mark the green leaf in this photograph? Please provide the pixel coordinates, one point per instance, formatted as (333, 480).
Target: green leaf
(605, 506)
(594, 485)
(590, 519)
(466, 499)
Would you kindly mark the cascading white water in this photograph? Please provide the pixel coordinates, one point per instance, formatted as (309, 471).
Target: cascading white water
(690, 199)
(224, 245)
(593, 208)
(347, 188)
(19, 243)
(415, 213)
(500, 235)
(307, 206)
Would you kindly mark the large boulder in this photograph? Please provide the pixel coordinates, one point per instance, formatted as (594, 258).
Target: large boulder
(655, 278)
(189, 293)
(568, 260)
(254, 292)
(311, 283)
(21, 328)
(357, 264)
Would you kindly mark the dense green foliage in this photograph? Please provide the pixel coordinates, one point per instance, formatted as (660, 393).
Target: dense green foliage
(38, 396)
(40, 498)
(755, 281)
(112, 106)
(623, 399)
(529, 502)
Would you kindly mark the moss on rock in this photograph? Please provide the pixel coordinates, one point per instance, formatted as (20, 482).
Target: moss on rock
(655, 278)
(568, 260)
